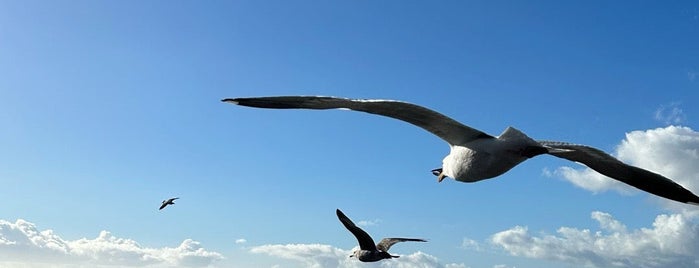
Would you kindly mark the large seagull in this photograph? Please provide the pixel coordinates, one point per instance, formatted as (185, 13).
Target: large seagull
(476, 155)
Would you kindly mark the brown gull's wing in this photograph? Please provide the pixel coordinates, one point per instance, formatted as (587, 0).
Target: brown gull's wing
(365, 241)
(386, 243)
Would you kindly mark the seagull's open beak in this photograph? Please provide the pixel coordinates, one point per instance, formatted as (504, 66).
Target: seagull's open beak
(440, 175)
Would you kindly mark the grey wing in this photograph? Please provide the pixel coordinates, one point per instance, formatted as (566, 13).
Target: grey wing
(386, 243)
(438, 124)
(364, 239)
(611, 167)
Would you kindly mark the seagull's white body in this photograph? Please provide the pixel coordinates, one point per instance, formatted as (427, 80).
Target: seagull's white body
(475, 155)
(486, 158)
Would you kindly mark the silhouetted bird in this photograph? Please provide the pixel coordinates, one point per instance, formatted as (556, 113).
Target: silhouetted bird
(168, 202)
(476, 155)
(368, 252)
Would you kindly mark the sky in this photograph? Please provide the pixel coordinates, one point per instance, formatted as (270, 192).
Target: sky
(109, 107)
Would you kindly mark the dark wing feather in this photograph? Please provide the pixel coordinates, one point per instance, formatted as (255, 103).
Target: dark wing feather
(163, 206)
(438, 124)
(386, 243)
(365, 241)
(611, 167)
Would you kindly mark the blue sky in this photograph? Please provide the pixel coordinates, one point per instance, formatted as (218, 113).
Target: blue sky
(109, 107)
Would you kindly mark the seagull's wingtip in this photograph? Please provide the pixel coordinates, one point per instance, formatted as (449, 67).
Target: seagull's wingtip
(229, 100)
(340, 214)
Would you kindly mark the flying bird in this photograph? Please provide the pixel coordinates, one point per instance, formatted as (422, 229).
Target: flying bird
(168, 202)
(476, 155)
(368, 251)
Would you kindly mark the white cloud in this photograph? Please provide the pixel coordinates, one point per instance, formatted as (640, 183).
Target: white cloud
(321, 256)
(471, 244)
(22, 244)
(241, 241)
(672, 151)
(670, 114)
(672, 242)
(368, 222)
(590, 180)
(312, 255)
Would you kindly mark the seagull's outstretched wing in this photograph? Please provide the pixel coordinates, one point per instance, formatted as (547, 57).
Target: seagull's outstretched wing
(611, 167)
(168, 202)
(365, 241)
(386, 243)
(438, 124)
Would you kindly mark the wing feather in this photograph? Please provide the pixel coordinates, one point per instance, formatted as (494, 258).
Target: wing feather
(611, 167)
(386, 243)
(438, 124)
(365, 241)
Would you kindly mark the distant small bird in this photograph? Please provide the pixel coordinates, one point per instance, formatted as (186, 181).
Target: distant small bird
(168, 202)
(368, 252)
(476, 155)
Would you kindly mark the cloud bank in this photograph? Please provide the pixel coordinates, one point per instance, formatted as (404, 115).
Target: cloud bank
(326, 256)
(672, 242)
(672, 151)
(23, 245)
